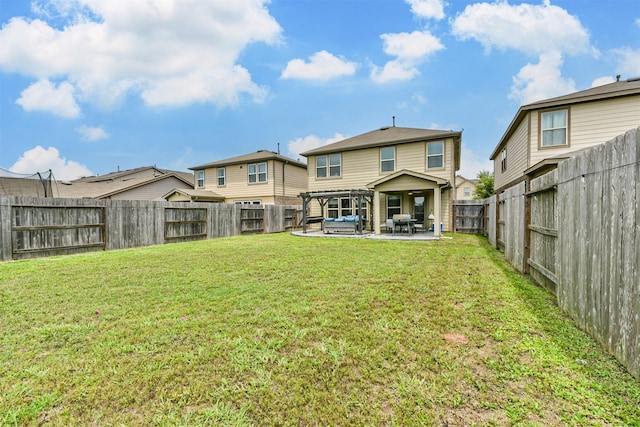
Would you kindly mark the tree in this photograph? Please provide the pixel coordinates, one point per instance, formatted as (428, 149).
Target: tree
(484, 187)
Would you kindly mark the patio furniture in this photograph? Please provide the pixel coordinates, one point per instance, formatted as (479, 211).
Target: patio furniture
(343, 224)
(403, 221)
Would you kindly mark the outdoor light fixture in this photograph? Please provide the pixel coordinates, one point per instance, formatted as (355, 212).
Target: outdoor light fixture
(431, 216)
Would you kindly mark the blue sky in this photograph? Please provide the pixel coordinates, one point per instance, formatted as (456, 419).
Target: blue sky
(91, 86)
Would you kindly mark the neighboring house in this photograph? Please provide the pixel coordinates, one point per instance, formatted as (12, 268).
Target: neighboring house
(144, 183)
(406, 170)
(263, 177)
(465, 188)
(544, 133)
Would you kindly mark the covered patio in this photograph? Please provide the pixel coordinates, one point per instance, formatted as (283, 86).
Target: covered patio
(413, 193)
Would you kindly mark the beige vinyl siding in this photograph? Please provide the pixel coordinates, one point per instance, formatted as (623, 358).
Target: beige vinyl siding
(360, 167)
(152, 191)
(295, 179)
(460, 190)
(238, 186)
(517, 156)
(590, 124)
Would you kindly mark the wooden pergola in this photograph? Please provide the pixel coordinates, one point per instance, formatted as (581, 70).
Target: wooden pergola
(323, 197)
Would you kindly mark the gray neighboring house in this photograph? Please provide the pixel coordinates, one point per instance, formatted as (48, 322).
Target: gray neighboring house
(143, 183)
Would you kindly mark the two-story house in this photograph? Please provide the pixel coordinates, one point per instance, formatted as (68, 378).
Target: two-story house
(407, 170)
(262, 178)
(465, 188)
(544, 133)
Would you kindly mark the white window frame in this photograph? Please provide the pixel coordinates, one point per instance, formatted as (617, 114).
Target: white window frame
(222, 175)
(331, 166)
(392, 210)
(259, 173)
(248, 202)
(321, 169)
(554, 129)
(467, 191)
(503, 160)
(387, 159)
(200, 179)
(433, 156)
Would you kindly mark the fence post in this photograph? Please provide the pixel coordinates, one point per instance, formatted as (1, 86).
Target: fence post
(5, 229)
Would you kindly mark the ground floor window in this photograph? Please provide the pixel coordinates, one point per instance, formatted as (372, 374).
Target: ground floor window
(345, 206)
(248, 202)
(394, 205)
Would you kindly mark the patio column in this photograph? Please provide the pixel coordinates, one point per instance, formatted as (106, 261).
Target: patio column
(437, 197)
(378, 215)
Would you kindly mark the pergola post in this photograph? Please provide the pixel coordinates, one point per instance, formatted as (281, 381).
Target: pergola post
(437, 201)
(378, 215)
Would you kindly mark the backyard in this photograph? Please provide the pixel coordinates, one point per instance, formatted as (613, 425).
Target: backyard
(283, 330)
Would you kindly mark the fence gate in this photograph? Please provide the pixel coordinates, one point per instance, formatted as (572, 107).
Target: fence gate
(468, 216)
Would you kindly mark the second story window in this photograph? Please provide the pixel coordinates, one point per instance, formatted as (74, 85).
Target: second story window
(503, 160)
(387, 159)
(467, 191)
(435, 155)
(328, 166)
(257, 172)
(200, 179)
(554, 128)
(222, 177)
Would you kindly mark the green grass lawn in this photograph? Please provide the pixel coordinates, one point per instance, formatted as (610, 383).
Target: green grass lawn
(283, 330)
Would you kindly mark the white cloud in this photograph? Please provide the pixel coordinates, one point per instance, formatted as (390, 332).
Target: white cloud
(602, 81)
(540, 81)
(471, 164)
(321, 66)
(410, 49)
(92, 133)
(546, 31)
(531, 29)
(309, 142)
(173, 52)
(46, 97)
(430, 9)
(629, 62)
(38, 159)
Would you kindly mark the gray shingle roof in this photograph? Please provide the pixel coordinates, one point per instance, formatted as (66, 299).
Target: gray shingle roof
(381, 137)
(258, 156)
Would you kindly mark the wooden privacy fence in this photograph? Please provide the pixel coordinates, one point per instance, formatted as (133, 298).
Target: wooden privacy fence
(576, 231)
(33, 227)
(468, 216)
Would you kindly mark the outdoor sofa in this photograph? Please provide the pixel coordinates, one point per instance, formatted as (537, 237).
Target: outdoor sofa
(343, 224)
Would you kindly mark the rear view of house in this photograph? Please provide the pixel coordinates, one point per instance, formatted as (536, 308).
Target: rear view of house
(262, 178)
(406, 170)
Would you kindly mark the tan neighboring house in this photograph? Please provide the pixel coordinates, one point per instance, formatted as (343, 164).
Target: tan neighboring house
(544, 133)
(263, 177)
(144, 183)
(407, 170)
(465, 188)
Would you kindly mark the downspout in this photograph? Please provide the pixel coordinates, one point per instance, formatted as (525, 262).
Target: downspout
(274, 182)
(284, 192)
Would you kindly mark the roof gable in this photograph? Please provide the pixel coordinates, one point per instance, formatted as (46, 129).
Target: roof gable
(617, 89)
(260, 155)
(408, 173)
(384, 136)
